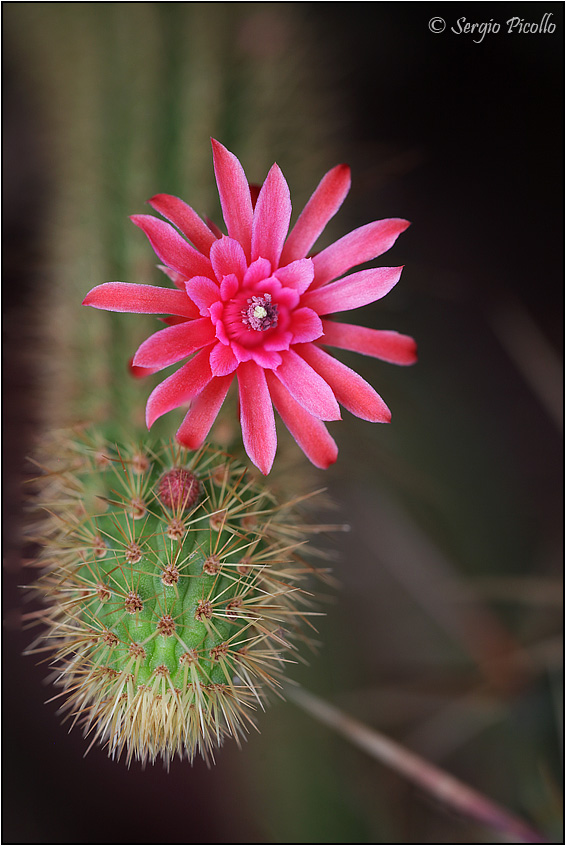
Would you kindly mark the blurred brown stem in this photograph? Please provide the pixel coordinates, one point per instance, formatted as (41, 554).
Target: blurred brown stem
(427, 776)
(533, 356)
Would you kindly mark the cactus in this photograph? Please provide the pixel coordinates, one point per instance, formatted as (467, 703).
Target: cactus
(145, 93)
(173, 589)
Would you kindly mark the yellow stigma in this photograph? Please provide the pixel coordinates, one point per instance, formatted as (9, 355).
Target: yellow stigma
(260, 312)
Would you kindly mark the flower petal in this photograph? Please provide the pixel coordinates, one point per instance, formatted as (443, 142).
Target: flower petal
(174, 343)
(172, 320)
(305, 325)
(285, 297)
(322, 206)
(363, 244)
(180, 387)
(271, 218)
(140, 372)
(350, 389)
(234, 193)
(140, 299)
(379, 343)
(214, 228)
(310, 433)
(171, 248)
(256, 414)
(357, 289)
(280, 340)
(227, 257)
(186, 219)
(203, 292)
(177, 278)
(216, 312)
(242, 353)
(298, 275)
(269, 360)
(257, 271)
(307, 386)
(222, 360)
(272, 285)
(202, 413)
(229, 287)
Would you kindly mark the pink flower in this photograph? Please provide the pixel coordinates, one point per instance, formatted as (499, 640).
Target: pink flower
(252, 305)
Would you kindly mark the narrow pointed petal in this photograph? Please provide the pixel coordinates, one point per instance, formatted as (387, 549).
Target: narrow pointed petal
(307, 386)
(358, 289)
(179, 388)
(351, 391)
(172, 320)
(214, 228)
(310, 433)
(271, 217)
(172, 248)
(185, 219)
(379, 343)
(174, 343)
(140, 299)
(140, 372)
(256, 414)
(227, 257)
(322, 206)
(203, 412)
(234, 193)
(177, 278)
(363, 244)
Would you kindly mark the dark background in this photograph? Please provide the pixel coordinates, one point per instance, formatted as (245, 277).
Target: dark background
(466, 141)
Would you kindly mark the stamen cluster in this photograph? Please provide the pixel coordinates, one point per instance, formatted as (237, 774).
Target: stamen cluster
(261, 314)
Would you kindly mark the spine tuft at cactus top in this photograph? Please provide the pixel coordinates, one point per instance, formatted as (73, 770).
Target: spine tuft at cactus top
(173, 588)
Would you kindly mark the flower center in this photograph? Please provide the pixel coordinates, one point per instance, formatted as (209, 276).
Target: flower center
(260, 313)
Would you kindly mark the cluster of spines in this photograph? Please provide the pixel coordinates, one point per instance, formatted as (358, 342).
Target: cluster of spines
(172, 586)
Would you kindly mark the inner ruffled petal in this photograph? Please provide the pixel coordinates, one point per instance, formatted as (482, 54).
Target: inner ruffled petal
(266, 359)
(216, 311)
(305, 325)
(298, 275)
(203, 292)
(229, 287)
(222, 360)
(279, 341)
(258, 270)
(227, 257)
(287, 298)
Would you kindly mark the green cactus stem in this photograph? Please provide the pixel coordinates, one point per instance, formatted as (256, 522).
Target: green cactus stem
(173, 593)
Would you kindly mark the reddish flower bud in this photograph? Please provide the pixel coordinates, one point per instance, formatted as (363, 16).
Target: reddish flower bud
(179, 489)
